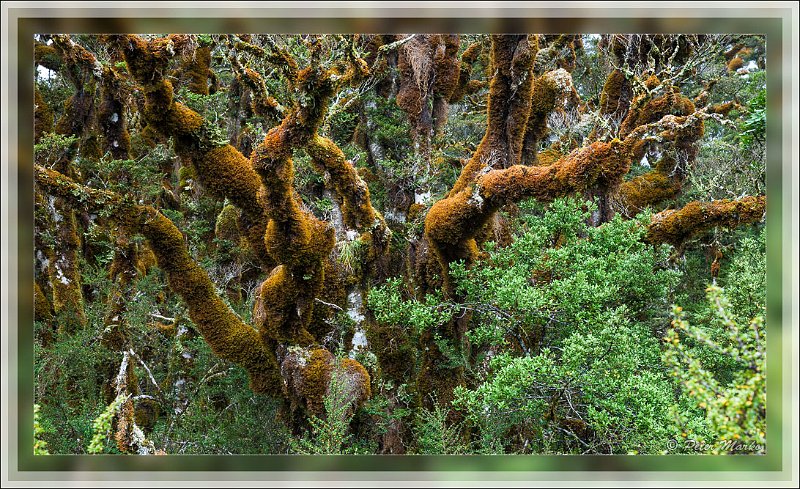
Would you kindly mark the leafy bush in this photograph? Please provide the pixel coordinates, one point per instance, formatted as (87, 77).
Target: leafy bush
(734, 411)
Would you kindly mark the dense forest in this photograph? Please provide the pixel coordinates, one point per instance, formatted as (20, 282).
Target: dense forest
(399, 244)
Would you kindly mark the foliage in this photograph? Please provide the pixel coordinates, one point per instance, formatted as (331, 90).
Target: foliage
(578, 304)
(436, 435)
(389, 307)
(560, 275)
(210, 409)
(54, 147)
(39, 445)
(329, 435)
(754, 127)
(561, 309)
(101, 427)
(735, 411)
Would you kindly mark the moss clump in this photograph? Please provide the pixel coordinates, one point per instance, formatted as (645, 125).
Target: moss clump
(677, 226)
(645, 190)
(198, 70)
(735, 63)
(508, 107)
(227, 226)
(42, 310)
(543, 102)
(146, 413)
(42, 116)
(465, 85)
(283, 307)
(111, 117)
(47, 56)
(357, 209)
(616, 95)
(307, 374)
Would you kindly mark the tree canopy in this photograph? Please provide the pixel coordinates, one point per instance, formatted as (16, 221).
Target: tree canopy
(417, 243)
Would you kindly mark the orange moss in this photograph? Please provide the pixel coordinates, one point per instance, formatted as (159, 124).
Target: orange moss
(543, 101)
(652, 82)
(735, 63)
(600, 165)
(733, 51)
(198, 70)
(549, 156)
(124, 426)
(724, 108)
(645, 111)
(612, 99)
(645, 190)
(262, 104)
(677, 226)
(508, 107)
(308, 372)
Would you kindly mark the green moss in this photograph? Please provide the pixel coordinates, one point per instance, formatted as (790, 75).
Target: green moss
(42, 310)
(227, 226)
(146, 413)
(47, 56)
(43, 116)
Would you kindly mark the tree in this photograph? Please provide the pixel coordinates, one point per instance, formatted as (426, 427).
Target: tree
(273, 255)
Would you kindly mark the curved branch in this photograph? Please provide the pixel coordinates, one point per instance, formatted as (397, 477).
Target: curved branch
(229, 337)
(222, 169)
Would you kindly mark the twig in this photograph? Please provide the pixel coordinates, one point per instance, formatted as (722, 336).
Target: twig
(328, 304)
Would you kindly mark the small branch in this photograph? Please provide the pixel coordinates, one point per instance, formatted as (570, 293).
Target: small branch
(164, 318)
(147, 369)
(396, 44)
(334, 306)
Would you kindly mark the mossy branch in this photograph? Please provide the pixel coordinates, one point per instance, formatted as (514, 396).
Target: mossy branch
(452, 223)
(357, 211)
(229, 337)
(676, 226)
(221, 168)
(465, 85)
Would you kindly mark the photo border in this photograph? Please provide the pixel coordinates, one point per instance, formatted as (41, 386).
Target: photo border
(23, 21)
